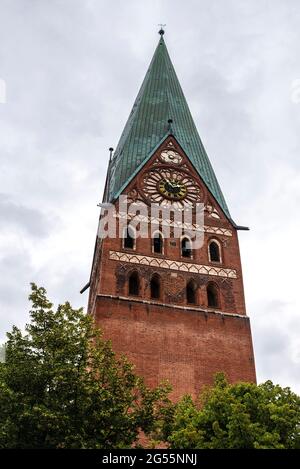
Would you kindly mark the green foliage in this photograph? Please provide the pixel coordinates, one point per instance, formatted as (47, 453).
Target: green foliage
(62, 386)
(241, 415)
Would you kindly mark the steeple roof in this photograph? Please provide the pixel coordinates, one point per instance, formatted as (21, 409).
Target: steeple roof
(160, 99)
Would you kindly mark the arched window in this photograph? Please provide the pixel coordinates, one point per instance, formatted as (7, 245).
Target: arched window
(191, 292)
(214, 251)
(212, 296)
(133, 284)
(186, 247)
(157, 243)
(155, 287)
(129, 238)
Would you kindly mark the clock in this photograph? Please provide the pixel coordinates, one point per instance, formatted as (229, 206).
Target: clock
(170, 187)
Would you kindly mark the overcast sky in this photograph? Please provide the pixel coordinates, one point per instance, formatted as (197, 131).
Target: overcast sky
(72, 69)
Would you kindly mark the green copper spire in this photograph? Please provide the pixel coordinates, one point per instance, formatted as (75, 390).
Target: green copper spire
(160, 109)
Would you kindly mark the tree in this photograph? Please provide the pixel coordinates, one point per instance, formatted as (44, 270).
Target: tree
(241, 415)
(62, 386)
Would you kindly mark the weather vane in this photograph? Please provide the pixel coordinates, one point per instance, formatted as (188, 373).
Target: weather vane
(161, 31)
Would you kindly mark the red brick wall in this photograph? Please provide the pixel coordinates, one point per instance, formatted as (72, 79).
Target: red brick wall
(167, 338)
(184, 346)
(231, 260)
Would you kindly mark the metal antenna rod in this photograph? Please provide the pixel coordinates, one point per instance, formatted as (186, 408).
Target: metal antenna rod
(161, 31)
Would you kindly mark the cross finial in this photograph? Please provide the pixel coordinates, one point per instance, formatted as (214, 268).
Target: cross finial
(161, 31)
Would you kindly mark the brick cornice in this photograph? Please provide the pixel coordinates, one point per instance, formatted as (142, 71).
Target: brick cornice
(171, 306)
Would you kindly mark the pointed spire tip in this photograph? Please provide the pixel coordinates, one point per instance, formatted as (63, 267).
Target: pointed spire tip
(161, 32)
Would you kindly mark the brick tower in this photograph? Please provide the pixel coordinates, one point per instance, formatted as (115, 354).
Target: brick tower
(177, 311)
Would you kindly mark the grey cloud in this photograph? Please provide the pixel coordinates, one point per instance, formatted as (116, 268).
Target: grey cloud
(275, 332)
(13, 215)
(274, 342)
(16, 269)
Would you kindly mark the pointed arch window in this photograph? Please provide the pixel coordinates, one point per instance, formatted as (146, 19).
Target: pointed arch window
(157, 243)
(214, 251)
(155, 287)
(191, 288)
(212, 296)
(134, 284)
(186, 247)
(129, 238)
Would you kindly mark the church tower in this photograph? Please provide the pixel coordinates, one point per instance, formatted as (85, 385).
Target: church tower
(174, 306)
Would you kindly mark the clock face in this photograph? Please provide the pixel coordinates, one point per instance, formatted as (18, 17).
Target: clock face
(170, 187)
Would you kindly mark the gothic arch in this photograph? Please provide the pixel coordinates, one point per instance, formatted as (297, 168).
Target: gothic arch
(191, 292)
(186, 247)
(133, 283)
(157, 242)
(214, 250)
(155, 287)
(129, 237)
(213, 295)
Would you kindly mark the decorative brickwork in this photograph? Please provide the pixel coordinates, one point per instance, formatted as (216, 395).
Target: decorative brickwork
(171, 264)
(158, 221)
(194, 322)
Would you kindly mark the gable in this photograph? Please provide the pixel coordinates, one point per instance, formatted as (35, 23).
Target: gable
(168, 160)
